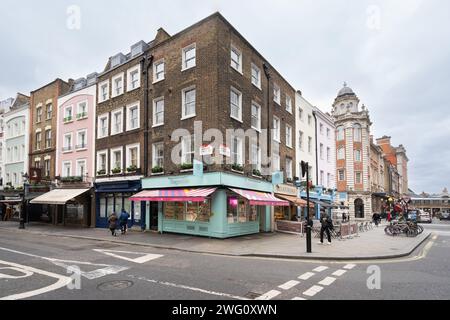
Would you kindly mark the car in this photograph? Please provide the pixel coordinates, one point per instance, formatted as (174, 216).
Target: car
(424, 217)
(445, 216)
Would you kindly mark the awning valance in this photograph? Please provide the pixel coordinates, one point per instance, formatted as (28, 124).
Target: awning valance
(260, 198)
(174, 195)
(296, 201)
(58, 196)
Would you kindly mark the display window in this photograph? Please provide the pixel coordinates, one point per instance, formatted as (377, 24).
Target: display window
(240, 211)
(188, 211)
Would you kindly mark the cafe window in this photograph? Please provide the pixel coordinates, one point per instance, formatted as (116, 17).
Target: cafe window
(187, 211)
(240, 211)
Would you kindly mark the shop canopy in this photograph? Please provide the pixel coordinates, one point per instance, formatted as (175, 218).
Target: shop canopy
(323, 204)
(58, 196)
(296, 201)
(260, 198)
(174, 195)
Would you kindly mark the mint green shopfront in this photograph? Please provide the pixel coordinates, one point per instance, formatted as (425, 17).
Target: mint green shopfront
(223, 213)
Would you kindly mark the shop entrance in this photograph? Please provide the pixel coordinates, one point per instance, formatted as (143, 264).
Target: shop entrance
(154, 216)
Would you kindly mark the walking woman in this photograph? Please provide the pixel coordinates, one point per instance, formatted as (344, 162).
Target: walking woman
(113, 224)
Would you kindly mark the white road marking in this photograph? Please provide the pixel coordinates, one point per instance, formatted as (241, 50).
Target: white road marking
(143, 259)
(313, 291)
(306, 276)
(349, 266)
(339, 272)
(25, 273)
(62, 282)
(180, 286)
(327, 281)
(298, 298)
(269, 295)
(288, 285)
(320, 269)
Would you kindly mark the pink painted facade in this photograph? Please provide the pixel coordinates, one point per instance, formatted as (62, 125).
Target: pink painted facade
(75, 155)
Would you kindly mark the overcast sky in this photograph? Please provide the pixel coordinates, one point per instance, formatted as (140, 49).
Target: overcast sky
(394, 54)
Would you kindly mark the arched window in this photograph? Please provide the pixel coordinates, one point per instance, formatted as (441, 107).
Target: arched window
(357, 132)
(341, 153)
(359, 209)
(340, 133)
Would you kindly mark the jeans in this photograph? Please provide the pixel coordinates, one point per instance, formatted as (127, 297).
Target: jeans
(327, 230)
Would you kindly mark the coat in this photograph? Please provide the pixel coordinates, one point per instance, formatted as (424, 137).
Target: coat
(326, 222)
(113, 221)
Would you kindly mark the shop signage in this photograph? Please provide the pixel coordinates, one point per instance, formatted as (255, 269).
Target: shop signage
(286, 190)
(224, 150)
(277, 177)
(206, 150)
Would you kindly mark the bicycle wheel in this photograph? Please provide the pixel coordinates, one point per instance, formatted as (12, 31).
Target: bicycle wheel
(419, 229)
(389, 231)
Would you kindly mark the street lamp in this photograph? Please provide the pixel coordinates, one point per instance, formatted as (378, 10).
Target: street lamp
(24, 201)
(309, 223)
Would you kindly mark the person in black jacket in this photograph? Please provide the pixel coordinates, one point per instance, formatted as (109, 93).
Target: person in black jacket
(327, 225)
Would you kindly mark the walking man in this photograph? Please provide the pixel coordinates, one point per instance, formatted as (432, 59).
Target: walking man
(123, 219)
(327, 225)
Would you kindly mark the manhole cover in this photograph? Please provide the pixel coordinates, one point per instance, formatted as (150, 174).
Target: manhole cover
(252, 295)
(114, 285)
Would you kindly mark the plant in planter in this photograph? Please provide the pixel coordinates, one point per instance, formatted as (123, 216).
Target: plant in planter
(289, 180)
(256, 172)
(157, 169)
(116, 170)
(187, 166)
(19, 188)
(132, 169)
(237, 167)
(101, 172)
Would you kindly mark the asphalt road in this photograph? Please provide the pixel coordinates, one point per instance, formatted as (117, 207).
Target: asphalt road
(41, 267)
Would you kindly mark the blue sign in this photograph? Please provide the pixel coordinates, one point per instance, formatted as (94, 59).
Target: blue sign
(198, 168)
(277, 177)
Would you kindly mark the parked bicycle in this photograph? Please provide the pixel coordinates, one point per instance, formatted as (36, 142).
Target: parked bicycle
(409, 228)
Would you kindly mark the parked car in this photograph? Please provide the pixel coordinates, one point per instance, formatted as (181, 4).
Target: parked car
(424, 217)
(445, 216)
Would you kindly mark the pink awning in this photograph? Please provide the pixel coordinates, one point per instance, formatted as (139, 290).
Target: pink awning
(174, 195)
(260, 198)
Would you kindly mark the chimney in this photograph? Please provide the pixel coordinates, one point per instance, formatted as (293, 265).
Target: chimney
(161, 35)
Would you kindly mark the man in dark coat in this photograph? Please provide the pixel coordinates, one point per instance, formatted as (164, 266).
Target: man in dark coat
(327, 225)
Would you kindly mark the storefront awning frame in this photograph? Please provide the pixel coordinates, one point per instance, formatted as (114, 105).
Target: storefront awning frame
(260, 198)
(59, 196)
(174, 195)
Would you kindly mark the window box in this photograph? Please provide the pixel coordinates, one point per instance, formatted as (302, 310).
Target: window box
(68, 119)
(157, 169)
(101, 172)
(237, 167)
(256, 173)
(72, 179)
(289, 180)
(187, 166)
(132, 169)
(81, 115)
(116, 171)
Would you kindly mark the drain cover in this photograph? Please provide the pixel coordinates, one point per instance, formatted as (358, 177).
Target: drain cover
(114, 285)
(252, 295)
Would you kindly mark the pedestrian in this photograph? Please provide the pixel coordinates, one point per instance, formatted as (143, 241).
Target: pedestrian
(123, 220)
(376, 218)
(113, 224)
(327, 225)
(344, 217)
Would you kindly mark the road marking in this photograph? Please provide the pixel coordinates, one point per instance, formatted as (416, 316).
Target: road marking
(298, 298)
(349, 266)
(313, 291)
(320, 269)
(143, 259)
(269, 295)
(8, 276)
(327, 281)
(62, 282)
(306, 276)
(339, 272)
(180, 286)
(288, 285)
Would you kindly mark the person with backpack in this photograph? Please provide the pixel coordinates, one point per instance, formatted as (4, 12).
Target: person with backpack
(123, 219)
(327, 226)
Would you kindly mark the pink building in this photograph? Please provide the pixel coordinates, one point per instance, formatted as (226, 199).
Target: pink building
(75, 140)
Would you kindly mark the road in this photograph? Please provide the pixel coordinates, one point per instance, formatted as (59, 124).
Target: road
(39, 267)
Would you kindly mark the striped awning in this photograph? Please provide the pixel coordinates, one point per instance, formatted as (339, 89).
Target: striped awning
(174, 195)
(260, 198)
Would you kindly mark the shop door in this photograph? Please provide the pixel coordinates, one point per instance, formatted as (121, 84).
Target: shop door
(101, 220)
(154, 216)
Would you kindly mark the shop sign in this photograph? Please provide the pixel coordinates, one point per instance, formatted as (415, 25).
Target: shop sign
(224, 150)
(206, 150)
(286, 190)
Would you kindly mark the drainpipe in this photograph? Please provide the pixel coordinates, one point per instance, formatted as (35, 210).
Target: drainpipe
(146, 63)
(269, 137)
(317, 158)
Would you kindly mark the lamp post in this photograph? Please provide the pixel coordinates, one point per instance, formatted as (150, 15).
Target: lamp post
(309, 224)
(23, 212)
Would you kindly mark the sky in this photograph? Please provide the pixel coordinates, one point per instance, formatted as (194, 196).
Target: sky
(394, 54)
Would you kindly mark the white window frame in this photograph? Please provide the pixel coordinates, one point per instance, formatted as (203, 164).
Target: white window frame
(310, 145)
(258, 78)
(100, 92)
(78, 109)
(258, 107)
(99, 153)
(321, 151)
(183, 56)
(277, 94)
(71, 142)
(78, 173)
(341, 154)
(288, 136)
(358, 159)
(129, 107)
(239, 150)
(276, 165)
(111, 159)
(64, 169)
(45, 139)
(301, 145)
(255, 151)
(184, 148)
(46, 111)
(155, 70)
(114, 88)
(155, 102)
(99, 128)
(328, 133)
(289, 104)
(238, 52)
(360, 177)
(321, 128)
(113, 125)
(300, 114)
(289, 174)
(328, 154)
(183, 102)
(130, 71)
(127, 155)
(276, 130)
(322, 178)
(357, 133)
(154, 154)
(343, 174)
(239, 94)
(340, 133)
(85, 139)
(65, 113)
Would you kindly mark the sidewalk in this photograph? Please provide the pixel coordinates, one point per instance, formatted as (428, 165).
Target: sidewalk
(373, 244)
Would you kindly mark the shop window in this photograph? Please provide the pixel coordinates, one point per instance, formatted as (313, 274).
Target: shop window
(187, 211)
(239, 211)
(102, 207)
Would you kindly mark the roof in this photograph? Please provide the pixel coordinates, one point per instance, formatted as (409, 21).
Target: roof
(345, 91)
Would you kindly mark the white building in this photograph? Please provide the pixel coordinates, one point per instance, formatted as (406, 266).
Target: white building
(5, 105)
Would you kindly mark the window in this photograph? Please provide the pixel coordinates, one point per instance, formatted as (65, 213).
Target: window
(187, 211)
(158, 71)
(103, 89)
(328, 180)
(102, 126)
(117, 124)
(357, 132)
(289, 136)
(47, 167)
(288, 168)
(239, 210)
(309, 145)
(328, 133)
(67, 169)
(321, 178)
(276, 129)
(102, 160)
(256, 157)
(16, 153)
(358, 177)
(39, 115)
(236, 150)
(158, 155)
(188, 103)
(341, 153)
(68, 116)
(300, 113)
(256, 116)
(38, 140)
(188, 57)
(276, 162)
(133, 118)
(37, 163)
(256, 76)
(236, 104)
(82, 139)
(82, 110)
(341, 174)
(236, 59)
(309, 119)
(48, 139)
(276, 94)
(321, 151)
(358, 155)
(288, 104)
(158, 112)
(49, 111)
(133, 157)
(117, 85)
(321, 128)
(187, 150)
(134, 78)
(116, 160)
(81, 168)
(67, 142)
(340, 133)
(328, 154)
(300, 140)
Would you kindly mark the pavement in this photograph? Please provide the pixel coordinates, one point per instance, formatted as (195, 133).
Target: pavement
(372, 244)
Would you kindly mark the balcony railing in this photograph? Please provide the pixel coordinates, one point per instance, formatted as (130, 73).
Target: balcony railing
(68, 148)
(68, 119)
(81, 115)
(81, 146)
